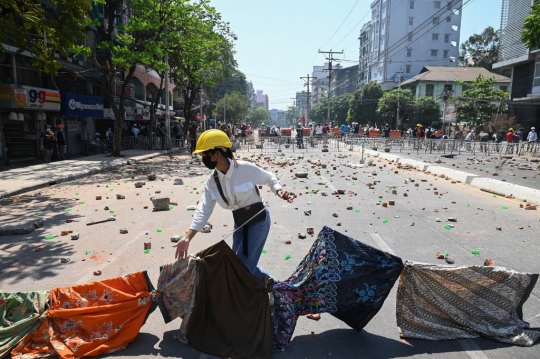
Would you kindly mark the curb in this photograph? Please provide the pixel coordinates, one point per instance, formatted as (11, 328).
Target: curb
(483, 183)
(121, 161)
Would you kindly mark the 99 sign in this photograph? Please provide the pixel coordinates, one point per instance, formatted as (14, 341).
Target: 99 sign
(34, 95)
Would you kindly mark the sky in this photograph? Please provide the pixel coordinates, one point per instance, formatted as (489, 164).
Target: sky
(278, 40)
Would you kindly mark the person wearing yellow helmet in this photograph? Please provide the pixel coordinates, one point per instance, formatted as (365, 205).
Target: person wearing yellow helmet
(233, 185)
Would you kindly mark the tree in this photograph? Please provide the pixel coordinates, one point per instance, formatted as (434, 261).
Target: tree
(236, 106)
(204, 56)
(258, 115)
(531, 27)
(340, 107)
(425, 110)
(292, 115)
(363, 104)
(235, 81)
(387, 106)
(153, 31)
(481, 50)
(479, 101)
(319, 112)
(44, 28)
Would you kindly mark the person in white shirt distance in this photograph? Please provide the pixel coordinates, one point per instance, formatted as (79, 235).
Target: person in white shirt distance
(239, 192)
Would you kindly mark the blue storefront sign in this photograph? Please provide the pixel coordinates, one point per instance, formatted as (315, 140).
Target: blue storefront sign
(77, 105)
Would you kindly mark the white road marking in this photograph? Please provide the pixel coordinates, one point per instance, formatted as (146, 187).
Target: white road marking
(330, 185)
(381, 243)
(472, 349)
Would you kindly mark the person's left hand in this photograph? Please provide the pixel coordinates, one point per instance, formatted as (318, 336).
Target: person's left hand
(285, 195)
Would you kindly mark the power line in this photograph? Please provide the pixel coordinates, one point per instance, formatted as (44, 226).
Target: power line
(339, 27)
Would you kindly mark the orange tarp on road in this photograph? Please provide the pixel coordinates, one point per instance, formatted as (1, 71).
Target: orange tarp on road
(91, 319)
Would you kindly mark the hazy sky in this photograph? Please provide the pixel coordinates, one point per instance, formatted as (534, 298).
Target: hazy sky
(278, 40)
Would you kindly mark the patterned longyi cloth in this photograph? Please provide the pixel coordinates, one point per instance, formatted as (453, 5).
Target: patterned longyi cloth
(340, 276)
(444, 302)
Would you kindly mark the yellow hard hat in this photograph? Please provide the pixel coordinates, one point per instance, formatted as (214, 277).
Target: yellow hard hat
(211, 139)
(510, 129)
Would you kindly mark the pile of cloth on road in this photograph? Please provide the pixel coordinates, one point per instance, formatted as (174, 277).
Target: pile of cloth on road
(227, 312)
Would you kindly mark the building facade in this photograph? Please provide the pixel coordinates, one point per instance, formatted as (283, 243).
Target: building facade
(344, 80)
(407, 35)
(262, 99)
(524, 63)
(364, 51)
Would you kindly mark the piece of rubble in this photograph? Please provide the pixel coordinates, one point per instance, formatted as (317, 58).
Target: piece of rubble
(308, 212)
(178, 182)
(75, 236)
(151, 177)
(119, 196)
(439, 255)
(139, 184)
(489, 262)
(302, 235)
(449, 260)
(338, 224)
(64, 260)
(97, 272)
(65, 233)
(206, 229)
(315, 316)
(452, 219)
(335, 215)
(310, 231)
(123, 231)
(288, 241)
(147, 245)
(176, 238)
(98, 198)
(161, 204)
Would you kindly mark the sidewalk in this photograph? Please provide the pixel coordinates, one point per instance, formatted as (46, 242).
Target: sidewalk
(19, 180)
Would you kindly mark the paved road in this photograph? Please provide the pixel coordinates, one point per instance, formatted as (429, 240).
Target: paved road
(102, 247)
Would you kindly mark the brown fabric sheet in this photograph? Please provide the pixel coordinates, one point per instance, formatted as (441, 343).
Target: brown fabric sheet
(446, 302)
(231, 316)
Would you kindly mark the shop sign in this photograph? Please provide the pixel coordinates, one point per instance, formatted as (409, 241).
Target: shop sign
(77, 105)
(28, 97)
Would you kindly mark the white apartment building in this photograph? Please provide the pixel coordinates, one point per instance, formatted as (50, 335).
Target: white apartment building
(407, 35)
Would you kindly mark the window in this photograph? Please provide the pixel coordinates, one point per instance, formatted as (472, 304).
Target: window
(411, 21)
(411, 5)
(445, 54)
(409, 37)
(435, 20)
(437, 4)
(536, 81)
(407, 69)
(449, 6)
(448, 88)
(430, 90)
(409, 52)
(448, 19)
(504, 88)
(446, 37)
(434, 53)
(434, 37)
(413, 90)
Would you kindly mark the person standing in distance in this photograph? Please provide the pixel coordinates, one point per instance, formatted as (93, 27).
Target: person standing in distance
(234, 185)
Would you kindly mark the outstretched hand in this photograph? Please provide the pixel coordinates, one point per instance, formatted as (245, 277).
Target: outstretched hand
(285, 195)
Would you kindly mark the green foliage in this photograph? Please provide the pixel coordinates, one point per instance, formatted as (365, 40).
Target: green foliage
(292, 115)
(425, 110)
(319, 113)
(479, 101)
(530, 35)
(363, 104)
(258, 115)
(340, 107)
(44, 28)
(481, 50)
(236, 106)
(387, 106)
(235, 81)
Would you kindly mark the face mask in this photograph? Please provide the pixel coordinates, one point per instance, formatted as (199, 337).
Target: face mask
(209, 163)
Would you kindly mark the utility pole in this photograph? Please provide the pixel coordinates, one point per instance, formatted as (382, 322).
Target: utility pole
(224, 99)
(308, 102)
(201, 107)
(398, 119)
(167, 115)
(330, 58)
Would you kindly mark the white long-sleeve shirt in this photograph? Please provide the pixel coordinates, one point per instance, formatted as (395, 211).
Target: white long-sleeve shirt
(238, 186)
(533, 136)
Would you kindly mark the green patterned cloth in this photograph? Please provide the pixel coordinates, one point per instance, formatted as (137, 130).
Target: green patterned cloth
(20, 313)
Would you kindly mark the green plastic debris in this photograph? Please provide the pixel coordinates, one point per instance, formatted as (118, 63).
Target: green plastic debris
(110, 183)
(202, 181)
(37, 213)
(288, 256)
(112, 189)
(111, 211)
(81, 202)
(146, 251)
(69, 209)
(475, 252)
(535, 182)
(264, 251)
(309, 203)
(159, 230)
(446, 254)
(357, 211)
(504, 207)
(125, 182)
(494, 196)
(171, 207)
(446, 226)
(384, 221)
(468, 205)
(85, 253)
(49, 237)
(76, 193)
(380, 199)
(191, 192)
